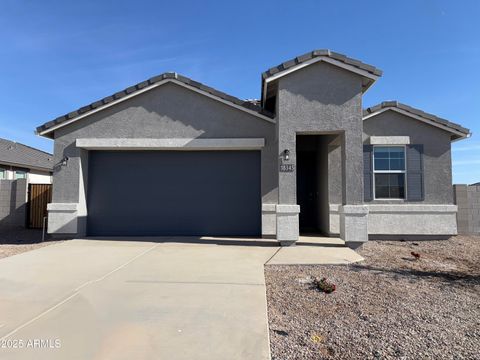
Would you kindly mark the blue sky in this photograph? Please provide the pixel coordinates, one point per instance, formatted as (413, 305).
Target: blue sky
(56, 56)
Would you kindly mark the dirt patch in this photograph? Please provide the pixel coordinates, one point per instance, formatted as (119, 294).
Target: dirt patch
(14, 241)
(390, 306)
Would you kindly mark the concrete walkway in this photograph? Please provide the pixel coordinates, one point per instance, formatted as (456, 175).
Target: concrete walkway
(311, 250)
(99, 299)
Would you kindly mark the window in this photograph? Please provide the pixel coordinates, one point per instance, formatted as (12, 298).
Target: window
(20, 174)
(389, 172)
(3, 173)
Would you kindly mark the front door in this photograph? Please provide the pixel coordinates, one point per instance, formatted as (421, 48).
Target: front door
(307, 190)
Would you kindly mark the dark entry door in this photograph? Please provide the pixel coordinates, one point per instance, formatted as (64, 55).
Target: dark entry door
(141, 193)
(307, 190)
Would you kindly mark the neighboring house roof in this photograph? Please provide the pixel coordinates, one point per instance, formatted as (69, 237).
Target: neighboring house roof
(458, 132)
(16, 154)
(475, 184)
(369, 72)
(149, 84)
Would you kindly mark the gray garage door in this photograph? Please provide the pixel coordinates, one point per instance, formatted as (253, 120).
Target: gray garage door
(140, 193)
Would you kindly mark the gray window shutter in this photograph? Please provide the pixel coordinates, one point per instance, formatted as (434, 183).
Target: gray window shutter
(415, 188)
(367, 173)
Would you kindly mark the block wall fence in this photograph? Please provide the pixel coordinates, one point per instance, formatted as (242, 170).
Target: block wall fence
(13, 203)
(467, 198)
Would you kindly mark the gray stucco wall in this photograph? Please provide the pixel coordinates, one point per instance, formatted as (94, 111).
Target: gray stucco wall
(13, 203)
(437, 152)
(322, 99)
(467, 198)
(335, 175)
(169, 111)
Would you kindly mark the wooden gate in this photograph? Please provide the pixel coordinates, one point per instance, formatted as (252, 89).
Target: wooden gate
(39, 195)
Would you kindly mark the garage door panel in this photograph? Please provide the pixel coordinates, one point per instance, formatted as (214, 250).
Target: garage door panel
(174, 193)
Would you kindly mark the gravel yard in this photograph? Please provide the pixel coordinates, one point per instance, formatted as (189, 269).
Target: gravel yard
(391, 306)
(14, 241)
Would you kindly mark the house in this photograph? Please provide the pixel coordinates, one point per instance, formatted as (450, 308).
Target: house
(18, 161)
(22, 168)
(171, 156)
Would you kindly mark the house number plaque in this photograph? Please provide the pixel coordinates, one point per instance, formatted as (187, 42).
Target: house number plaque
(287, 167)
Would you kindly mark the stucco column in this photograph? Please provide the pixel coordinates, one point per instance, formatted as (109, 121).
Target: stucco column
(287, 210)
(287, 224)
(354, 225)
(353, 214)
(287, 180)
(352, 163)
(68, 187)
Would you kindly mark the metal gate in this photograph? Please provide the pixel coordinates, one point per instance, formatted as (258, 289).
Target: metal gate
(39, 195)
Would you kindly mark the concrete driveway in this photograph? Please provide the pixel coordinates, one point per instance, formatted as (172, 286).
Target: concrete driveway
(152, 299)
(97, 299)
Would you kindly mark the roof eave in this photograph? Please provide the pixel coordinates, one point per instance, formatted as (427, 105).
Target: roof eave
(47, 129)
(458, 137)
(26, 166)
(369, 76)
(48, 135)
(457, 134)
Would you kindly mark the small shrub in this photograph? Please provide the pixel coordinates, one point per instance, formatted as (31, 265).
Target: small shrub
(415, 255)
(324, 286)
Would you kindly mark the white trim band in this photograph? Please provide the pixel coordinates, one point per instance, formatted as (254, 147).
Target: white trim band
(360, 210)
(62, 207)
(389, 140)
(171, 144)
(411, 208)
(288, 209)
(269, 207)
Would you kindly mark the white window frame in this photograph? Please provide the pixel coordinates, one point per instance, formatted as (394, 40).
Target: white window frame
(404, 171)
(5, 173)
(22, 171)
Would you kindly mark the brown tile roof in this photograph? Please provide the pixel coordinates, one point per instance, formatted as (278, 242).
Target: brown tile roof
(137, 87)
(321, 53)
(409, 109)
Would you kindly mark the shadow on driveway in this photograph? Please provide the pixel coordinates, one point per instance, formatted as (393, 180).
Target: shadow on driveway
(232, 241)
(19, 236)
